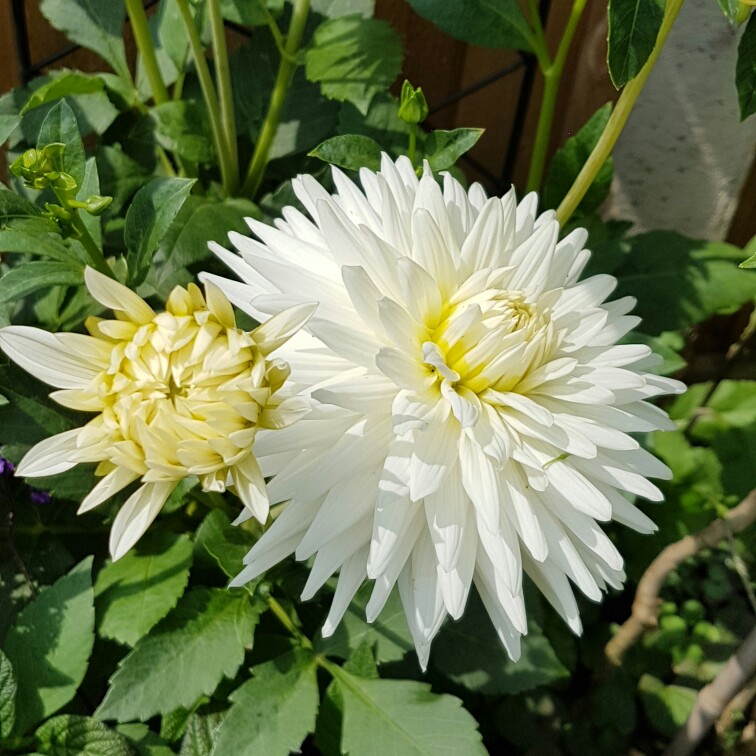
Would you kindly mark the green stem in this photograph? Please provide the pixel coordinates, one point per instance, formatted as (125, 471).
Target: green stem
(537, 37)
(552, 77)
(286, 69)
(412, 142)
(208, 93)
(286, 621)
(94, 253)
(225, 92)
(274, 30)
(143, 40)
(617, 121)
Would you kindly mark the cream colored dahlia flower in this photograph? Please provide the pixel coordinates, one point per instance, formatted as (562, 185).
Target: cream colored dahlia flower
(178, 393)
(472, 412)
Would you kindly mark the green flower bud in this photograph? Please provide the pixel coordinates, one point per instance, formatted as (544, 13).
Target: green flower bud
(742, 13)
(413, 108)
(96, 204)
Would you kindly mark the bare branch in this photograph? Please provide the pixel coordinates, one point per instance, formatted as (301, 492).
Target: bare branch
(645, 613)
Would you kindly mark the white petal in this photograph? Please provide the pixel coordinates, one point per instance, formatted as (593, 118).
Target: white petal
(350, 579)
(111, 484)
(136, 515)
(52, 456)
(280, 328)
(117, 297)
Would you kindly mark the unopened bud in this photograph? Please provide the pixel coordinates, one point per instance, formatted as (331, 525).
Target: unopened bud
(413, 108)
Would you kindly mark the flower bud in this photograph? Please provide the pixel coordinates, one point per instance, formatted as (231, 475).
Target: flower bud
(413, 108)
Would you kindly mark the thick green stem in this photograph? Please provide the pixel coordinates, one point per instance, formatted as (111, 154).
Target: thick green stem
(225, 92)
(552, 77)
(412, 142)
(211, 99)
(286, 69)
(537, 37)
(143, 40)
(617, 121)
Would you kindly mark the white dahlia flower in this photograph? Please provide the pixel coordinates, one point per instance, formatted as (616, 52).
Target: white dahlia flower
(471, 410)
(178, 393)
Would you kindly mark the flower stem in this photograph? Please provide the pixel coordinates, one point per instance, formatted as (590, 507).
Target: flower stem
(208, 93)
(552, 77)
(286, 69)
(617, 121)
(225, 92)
(412, 142)
(537, 37)
(286, 621)
(143, 40)
(94, 253)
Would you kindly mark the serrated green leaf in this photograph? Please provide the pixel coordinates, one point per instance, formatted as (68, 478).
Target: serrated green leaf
(183, 127)
(31, 276)
(470, 653)
(354, 58)
(8, 687)
(350, 151)
(94, 24)
(745, 70)
(403, 718)
(382, 123)
(569, 160)
(14, 206)
(144, 740)
(154, 208)
(679, 281)
(444, 148)
(137, 591)
(70, 83)
(633, 28)
(72, 735)
(200, 734)
(389, 633)
(274, 711)
(60, 125)
(184, 657)
(50, 644)
(667, 706)
(488, 23)
(185, 243)
(225, 544)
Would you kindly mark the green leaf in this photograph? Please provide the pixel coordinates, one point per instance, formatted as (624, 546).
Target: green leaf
(31, 276)
(274, 711)
(50, 644)
(198, 222)
(148, 219)
(403, 718)
(667, 706)
(60, 126)
(8, 687)
(389, 634)
(569, 160)
(36, 242)
(679, 281)
(94, 24)
(336, 8)
(667, 345)
(633, 28)
(488, 23)
(349, 151)
(382, 123)
(70, 83)
(470, 653)
(250, 13)
(354, 58)
(184, 657)
(444, 148)
(14, 206)
(200, 734)
(72, 735)
(146, 742)
(729, 8)
(138, 590)
(120, 175)
(90, 186)
(225, 544)
(183, 127)
(745, 70)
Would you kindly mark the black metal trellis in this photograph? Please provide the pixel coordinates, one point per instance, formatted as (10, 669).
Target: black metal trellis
(498, 183)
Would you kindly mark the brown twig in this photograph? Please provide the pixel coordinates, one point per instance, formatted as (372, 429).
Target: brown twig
(713, 698)
(645, 612)
(739, 703)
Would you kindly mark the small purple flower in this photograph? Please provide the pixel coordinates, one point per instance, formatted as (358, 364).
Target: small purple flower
(6, 466)
(39, 497)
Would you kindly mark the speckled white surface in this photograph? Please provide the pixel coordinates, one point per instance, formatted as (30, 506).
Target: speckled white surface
(682, 159)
